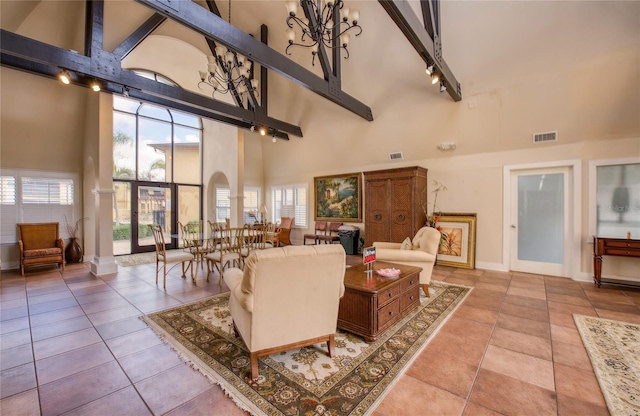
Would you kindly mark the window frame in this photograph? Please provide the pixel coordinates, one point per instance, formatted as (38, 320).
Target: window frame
(37, 212)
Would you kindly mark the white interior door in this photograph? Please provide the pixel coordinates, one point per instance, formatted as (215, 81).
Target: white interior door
(541, 224)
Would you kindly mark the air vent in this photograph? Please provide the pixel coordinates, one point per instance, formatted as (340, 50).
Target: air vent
(550, 136)
(395, 156)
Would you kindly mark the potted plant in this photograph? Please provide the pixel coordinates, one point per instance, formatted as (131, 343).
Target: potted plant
(73, 251)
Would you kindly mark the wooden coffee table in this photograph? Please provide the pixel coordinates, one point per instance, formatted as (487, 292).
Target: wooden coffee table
(372, 303)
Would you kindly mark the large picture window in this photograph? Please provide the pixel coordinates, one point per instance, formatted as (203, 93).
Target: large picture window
(615, 204)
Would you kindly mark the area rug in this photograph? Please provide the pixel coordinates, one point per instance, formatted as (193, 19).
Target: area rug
(614, 351)
(304, 381)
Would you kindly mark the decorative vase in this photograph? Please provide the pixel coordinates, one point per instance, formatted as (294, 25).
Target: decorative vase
(73, 252)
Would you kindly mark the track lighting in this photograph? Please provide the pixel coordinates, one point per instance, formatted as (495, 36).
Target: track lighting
(263, 131)
(65, 77)
(125, 92)
(252, 129)
(95, 86)
(443, 87)
(429, 70)
(273, 139)
(434, 78)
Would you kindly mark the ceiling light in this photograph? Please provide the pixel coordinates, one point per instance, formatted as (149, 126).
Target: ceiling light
(429, 70)
(435, 78)
(443, 87)
(125, 92)
(263, 131)
(273, 139)
(95, 86)
(324, 32)
(228, 71)
(65, 77)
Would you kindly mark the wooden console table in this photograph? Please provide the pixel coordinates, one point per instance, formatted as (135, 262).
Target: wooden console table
(372, 303)
(623, 247)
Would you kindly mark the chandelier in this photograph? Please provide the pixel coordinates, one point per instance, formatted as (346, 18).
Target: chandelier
(228, 71)
(324, 24)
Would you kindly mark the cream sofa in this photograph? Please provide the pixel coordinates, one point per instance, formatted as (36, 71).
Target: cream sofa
(422, 254)
(287, 298)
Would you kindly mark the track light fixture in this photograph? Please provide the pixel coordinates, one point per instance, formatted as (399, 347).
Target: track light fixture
(263, 131)
(95, 85)
(443, 87)
(429, 69)
(434, 78)
(65, 77)
(273, 138)
(125, 92)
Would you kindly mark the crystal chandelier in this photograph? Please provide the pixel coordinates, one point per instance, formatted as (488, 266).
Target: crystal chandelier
(228, 71)
(323, 25)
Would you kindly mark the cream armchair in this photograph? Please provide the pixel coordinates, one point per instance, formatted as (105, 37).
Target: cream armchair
(287, 298)
(422, 253)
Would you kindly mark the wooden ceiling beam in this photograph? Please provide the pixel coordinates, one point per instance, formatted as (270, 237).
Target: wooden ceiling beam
(199, 19)
(428, 49)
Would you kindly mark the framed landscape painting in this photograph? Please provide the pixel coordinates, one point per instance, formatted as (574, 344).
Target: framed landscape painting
(458, 243)
(338, 198)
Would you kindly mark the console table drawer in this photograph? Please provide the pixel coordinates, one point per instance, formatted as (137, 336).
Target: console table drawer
(388, 314)
(624, 244)
(621, 252)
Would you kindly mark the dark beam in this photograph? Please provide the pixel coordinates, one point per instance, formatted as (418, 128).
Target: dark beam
(38, 57)
(322, 53)
(263, 110)
(403, 16)
(427, 17)
(192, 15)
(139, 35)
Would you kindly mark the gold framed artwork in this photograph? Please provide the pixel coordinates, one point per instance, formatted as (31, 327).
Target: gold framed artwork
(458, 244)
(338, 197)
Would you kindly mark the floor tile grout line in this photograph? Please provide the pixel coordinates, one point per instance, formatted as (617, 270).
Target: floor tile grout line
(475, 377)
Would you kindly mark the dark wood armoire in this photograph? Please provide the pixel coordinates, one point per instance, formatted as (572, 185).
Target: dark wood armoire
(393, 203)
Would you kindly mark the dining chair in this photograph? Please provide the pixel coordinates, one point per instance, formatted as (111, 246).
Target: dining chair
(171, 257)
(227, 255)
(195, 242)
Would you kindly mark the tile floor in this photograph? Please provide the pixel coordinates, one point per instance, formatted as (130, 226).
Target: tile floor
(72, 343)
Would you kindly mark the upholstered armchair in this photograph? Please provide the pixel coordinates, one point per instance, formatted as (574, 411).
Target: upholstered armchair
(421, 253)
(287, 297)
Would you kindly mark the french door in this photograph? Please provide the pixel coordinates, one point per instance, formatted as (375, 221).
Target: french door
(152, 203)
(541, 221)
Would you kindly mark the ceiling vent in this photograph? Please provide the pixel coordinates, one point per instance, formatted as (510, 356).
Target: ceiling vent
(550, 136)
(395, 156)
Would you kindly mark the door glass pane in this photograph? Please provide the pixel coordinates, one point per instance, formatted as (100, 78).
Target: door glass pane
(154, 207)
(541, 218)
(121, 218)
(189, 205)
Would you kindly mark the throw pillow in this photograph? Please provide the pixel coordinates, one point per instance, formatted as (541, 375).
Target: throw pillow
(406, 244)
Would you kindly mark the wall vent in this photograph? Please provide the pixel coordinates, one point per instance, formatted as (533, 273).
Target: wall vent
(550, 136)
(395, 156)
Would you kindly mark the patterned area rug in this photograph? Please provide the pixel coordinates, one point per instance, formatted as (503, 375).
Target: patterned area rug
(614, 351)
(303, 381)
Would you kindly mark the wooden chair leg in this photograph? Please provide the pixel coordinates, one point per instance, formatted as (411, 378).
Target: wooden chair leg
(425, 288)
(254, 366)
(331, 344)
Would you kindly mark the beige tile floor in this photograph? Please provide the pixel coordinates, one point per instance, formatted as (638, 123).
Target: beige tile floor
(71, 343)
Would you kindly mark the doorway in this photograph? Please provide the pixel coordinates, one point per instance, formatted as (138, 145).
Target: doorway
(541, 219)
(152, 204)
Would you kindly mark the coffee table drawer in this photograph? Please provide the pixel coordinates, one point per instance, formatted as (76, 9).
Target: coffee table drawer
(409, 297)
(406, 284)
(388, 314)
(389, 294)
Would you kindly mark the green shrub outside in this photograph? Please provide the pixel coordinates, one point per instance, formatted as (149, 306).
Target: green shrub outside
(123, 232)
